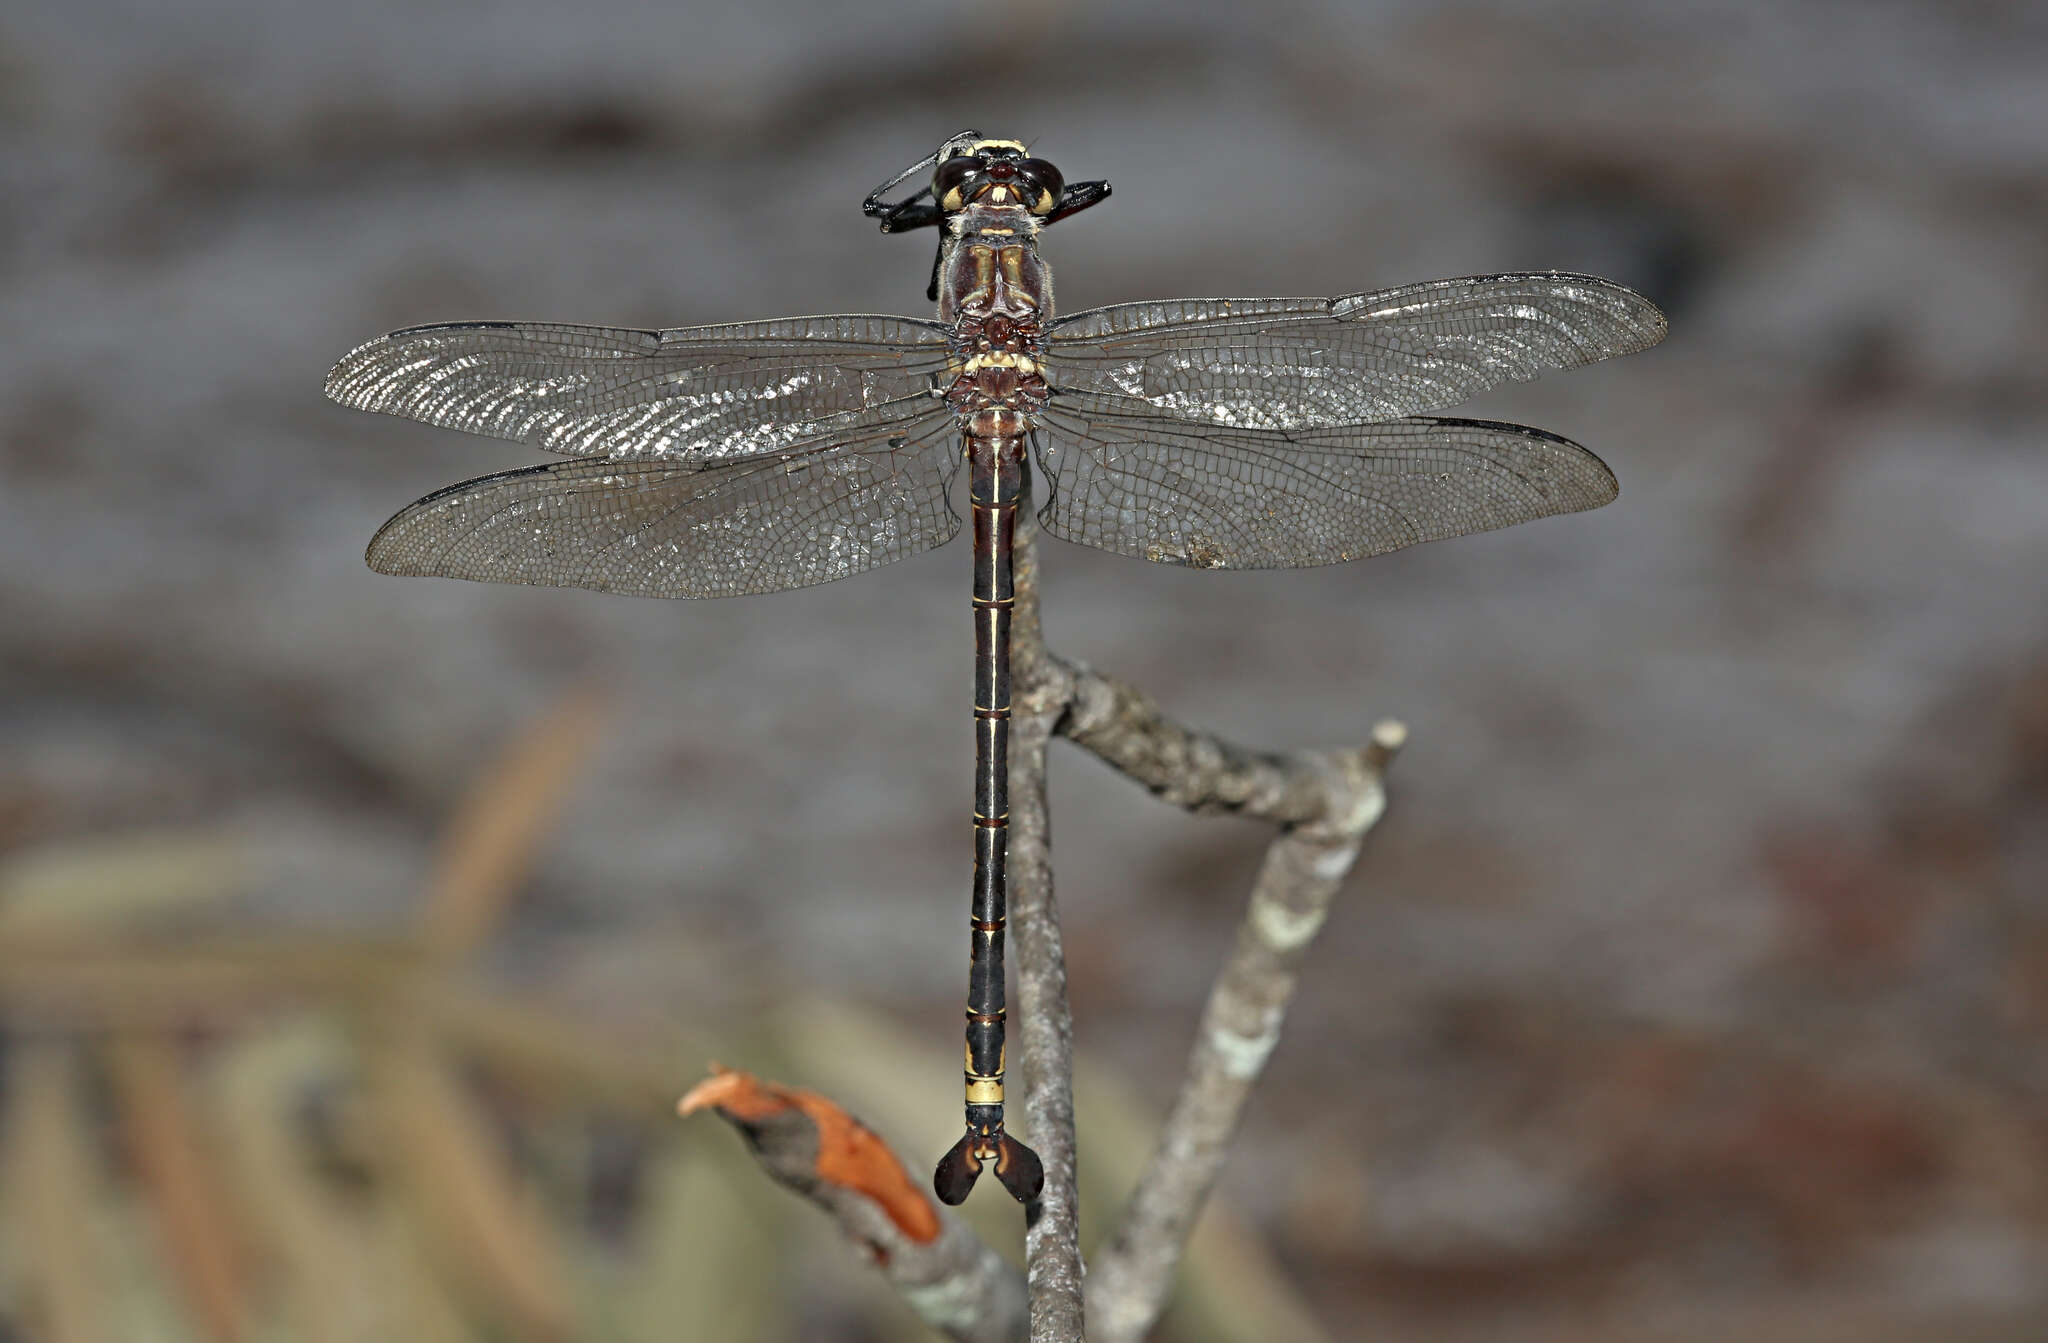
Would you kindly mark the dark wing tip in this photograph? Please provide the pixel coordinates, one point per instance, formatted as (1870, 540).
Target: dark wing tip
(1637, 324)
(344, 384)
(1593, 484)
(1645, 321)
(385, 555)
(387, 552)
(356, 375)
(1642, 322)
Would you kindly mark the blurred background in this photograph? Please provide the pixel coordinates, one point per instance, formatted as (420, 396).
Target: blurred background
(356, 934)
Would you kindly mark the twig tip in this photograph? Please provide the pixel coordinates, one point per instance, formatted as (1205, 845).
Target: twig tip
(807, 1140)
(718, 1087)
(1389, 735)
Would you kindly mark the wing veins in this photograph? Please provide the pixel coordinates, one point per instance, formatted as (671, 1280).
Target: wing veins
(1358, 358)
(1226, 496)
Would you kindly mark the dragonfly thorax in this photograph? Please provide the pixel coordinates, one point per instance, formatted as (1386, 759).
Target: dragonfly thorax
(998, 295)
(991, 268)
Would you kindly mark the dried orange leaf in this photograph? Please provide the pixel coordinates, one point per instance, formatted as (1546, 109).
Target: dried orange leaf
(835, 1148)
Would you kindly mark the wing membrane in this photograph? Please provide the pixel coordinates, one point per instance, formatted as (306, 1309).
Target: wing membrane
(704, 393)
(687, 529)
(1125, 478)
(1286, 363)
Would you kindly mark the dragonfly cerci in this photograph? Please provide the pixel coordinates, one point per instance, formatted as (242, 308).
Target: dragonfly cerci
(1219, 433)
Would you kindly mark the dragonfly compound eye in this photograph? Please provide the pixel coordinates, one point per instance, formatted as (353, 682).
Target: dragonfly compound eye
(952, 180)
(1041, 184)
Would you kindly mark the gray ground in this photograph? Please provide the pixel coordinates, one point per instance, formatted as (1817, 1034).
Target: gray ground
(1703, 961)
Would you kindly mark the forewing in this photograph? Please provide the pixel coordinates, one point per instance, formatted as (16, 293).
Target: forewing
(1219, 497)
(687, 529)
(703, 393)
(1286, 363)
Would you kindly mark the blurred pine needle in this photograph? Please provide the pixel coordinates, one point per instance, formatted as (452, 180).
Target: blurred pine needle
(51, 1175)
(441, 1156)
(492, 840)
(215, 1135)
(315, 1245)
(177, 1177)
(115, 883)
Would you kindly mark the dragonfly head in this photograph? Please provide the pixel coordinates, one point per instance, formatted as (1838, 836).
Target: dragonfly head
(994, 172)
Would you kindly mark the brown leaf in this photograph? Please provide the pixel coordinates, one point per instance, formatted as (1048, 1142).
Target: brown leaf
(836, 1148)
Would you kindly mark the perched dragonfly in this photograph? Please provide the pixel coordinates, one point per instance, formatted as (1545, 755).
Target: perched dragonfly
(747, 457)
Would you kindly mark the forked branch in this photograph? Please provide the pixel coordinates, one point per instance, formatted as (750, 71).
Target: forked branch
(1300, 877)
(1325, 802)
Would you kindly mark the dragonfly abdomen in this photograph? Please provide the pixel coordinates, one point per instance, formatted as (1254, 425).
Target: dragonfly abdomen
(995, 488)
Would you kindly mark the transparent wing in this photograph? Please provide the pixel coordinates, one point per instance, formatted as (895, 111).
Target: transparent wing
(689, 529)
(1126, 478)
(1285, 363)
(706, 393)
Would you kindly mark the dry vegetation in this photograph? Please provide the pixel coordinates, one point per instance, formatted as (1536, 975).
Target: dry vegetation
(217, 1136)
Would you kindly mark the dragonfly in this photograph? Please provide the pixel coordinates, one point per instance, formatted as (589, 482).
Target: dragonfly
(1224, 433)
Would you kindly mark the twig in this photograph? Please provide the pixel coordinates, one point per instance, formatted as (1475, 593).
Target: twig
(1120, 725)
(1302, 872)
(1045, 1029)
(1325, 801)
(805, 1142)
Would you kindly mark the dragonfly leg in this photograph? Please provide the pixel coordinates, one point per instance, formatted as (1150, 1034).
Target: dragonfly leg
(1077, 197)
(905, 215)
(908, 213)
(931, 291)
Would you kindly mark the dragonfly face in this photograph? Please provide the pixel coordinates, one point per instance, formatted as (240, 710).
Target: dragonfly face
(717, 461)
(969, 170)
(996, 172)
